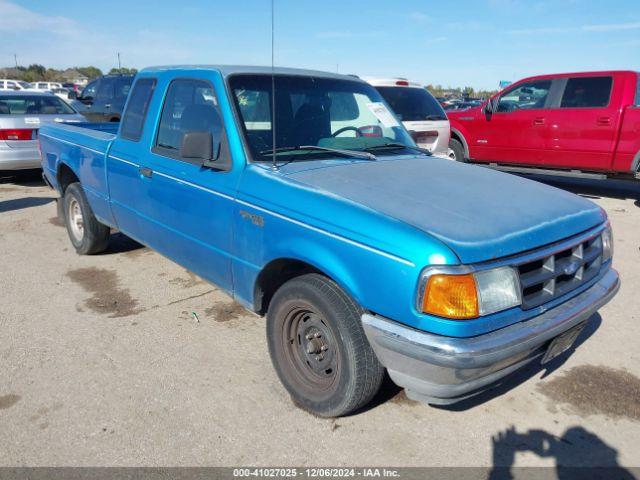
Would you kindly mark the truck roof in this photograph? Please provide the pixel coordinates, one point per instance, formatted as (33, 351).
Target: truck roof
(227, 70)
(581, 74)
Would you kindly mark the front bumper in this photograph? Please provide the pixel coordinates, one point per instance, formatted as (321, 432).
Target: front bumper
(443, 370)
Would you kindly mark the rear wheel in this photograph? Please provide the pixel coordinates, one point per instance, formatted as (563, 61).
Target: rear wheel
(456, 151)
(86, 233)
(319, 349)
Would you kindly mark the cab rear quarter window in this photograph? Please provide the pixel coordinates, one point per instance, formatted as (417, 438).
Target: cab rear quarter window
(137, 108)
(587, 92)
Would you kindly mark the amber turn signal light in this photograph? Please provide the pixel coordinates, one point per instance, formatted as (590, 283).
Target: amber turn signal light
(451, 296)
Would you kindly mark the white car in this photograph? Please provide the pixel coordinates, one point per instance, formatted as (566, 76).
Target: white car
(45, 86)
(419, 111)
(6, 84)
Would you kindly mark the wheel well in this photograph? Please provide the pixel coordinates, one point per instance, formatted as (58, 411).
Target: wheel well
(65, 177)
(273, 276)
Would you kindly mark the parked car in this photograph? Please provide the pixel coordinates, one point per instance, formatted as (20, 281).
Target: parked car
(45, 86)
(22, 113)
(420, 113)
(363, 251)
(14, 85)
(572, 124)
(63, 93)
(73, 87)
(103, 99)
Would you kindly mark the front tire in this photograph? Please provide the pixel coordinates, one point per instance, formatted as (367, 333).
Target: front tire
(319, 349)
(88, 236)
(456, 151)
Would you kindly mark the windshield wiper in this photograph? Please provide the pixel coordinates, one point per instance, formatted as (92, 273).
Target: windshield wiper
(392, 145)
(338, 151)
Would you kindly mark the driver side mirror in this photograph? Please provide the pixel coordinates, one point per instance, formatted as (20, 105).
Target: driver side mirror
(200, 146)
(491, 106)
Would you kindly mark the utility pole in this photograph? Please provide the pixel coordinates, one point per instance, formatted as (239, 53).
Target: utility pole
(15, 58)
(119, 64)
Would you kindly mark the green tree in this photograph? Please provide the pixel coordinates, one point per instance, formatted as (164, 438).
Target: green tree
(90, 72)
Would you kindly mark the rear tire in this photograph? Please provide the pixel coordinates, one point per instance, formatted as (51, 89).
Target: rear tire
(88, 236)
(456, 151)
(319, 349)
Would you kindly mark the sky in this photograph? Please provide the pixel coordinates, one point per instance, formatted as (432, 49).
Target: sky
(463, 43)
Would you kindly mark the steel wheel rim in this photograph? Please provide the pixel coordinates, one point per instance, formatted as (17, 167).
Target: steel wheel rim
(76, 220)
(310, 349)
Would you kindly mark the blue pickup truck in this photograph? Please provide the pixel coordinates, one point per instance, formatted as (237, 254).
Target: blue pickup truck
(301, 194)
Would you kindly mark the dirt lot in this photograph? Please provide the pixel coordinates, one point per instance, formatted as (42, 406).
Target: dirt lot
(127, 359)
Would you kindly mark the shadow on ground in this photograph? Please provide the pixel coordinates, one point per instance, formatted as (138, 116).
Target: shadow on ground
(25, 202)
(120, 243)
(594, 189)
(25, 178)
(578, 454)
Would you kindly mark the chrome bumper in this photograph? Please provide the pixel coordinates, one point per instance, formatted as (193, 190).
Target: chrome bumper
(442, 370)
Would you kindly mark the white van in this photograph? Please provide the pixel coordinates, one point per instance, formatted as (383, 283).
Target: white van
(45, 86)
(6, 84)
(419, 111)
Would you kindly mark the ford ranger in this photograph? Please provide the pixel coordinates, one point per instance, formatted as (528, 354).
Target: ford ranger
(303, 196)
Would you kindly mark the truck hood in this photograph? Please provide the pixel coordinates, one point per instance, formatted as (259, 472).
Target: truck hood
(481, 214)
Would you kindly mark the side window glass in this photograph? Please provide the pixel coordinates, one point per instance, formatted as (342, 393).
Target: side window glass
(105, 91)
(89, 91)
(587, 92)
(190, 106)
(528, 96)
(136, 112)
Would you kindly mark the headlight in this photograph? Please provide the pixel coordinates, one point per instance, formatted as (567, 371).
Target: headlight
(607, 244)
(470, 295)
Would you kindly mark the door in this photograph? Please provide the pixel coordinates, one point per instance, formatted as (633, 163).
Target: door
(515, 132)
(84, 104)
(101, 108)
(188, 209)
(582, 125)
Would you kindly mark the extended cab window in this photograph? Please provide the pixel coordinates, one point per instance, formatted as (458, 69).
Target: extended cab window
(136, 112)
(190, 106)
(587, 92)
(527, 96)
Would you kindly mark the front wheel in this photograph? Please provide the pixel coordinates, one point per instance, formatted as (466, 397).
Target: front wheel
(319, 349)
(86, 233)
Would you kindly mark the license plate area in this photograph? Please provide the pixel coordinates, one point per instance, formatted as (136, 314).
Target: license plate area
(562, 343)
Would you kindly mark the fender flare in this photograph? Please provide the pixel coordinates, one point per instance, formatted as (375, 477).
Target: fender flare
(464, 141)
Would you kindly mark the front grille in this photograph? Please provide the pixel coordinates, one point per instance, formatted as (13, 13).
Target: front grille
(558, 273)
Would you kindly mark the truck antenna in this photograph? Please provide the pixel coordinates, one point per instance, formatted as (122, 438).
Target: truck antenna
(274, 164)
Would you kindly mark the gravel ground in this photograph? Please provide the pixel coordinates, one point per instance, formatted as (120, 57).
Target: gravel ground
(127, 359)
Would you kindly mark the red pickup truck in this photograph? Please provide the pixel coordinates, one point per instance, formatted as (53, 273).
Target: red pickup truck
(585, 124)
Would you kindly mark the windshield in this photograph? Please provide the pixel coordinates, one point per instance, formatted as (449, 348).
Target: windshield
(314, 111)
(412, 104)
(33, 105)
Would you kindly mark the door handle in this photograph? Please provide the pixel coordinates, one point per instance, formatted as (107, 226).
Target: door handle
(603, 121)
(146, 172)
(107, 105)
(538, 121)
